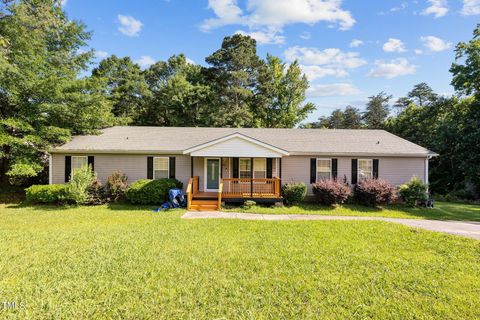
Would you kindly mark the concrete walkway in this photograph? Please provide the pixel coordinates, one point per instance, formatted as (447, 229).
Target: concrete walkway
(460, 228)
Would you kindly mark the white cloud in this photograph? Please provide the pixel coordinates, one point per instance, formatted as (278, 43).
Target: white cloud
(129, 26)
(317, 63)
(101, 54)
(332, 90)
(438, 8)
(356, 43)
(401, 7)
(190, 61)
(264, 37)
(331, 56)
(394, 68)
(63, 2)
(435, 44)
(394, 45)
(305, 35)
(317, 72)
(418, 51)
(275, 14)
(471, 7)
(145, 61)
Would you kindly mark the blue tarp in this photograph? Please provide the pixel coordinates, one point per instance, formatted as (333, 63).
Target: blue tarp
(176, 199)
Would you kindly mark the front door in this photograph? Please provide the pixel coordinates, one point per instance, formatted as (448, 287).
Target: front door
(212, 175)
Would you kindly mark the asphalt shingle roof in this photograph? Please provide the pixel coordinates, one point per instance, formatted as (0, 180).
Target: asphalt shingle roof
(131, 139)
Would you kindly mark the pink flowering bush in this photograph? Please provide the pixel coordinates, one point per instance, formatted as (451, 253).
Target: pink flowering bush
(372, 192)
(331, 192)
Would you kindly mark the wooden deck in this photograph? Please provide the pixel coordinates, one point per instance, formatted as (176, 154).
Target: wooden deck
(233, 189)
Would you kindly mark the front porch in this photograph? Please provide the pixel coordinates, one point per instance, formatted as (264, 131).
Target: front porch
(233, 190)
(233, 168)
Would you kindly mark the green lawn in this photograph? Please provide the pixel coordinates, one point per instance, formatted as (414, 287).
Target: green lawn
(442, 211)
(127, 262)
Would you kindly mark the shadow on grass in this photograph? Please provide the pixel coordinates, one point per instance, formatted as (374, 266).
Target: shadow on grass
(61, 207)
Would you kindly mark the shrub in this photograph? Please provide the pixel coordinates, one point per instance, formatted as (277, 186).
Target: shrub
(248, 204)
(151, 191)
(96, 193)
(330, 192)
(116, 186)
(294, 192)
(80, 182)
(53, 193)
(372, 192)
(413, 191)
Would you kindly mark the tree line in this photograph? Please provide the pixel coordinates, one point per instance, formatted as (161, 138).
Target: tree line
(47, 92)
(450, 126)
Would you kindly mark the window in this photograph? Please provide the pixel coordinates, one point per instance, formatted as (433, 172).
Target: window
(260, 168)
(365, 169)
(324, 169)
(245, 166)
(160, 167)
(78, 162)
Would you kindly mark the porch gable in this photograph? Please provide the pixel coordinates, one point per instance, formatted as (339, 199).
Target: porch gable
(236, 145)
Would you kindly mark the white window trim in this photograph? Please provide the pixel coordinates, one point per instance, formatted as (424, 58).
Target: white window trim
(358, 168)
(77, 157)
(316, 168)
(253, 164)
(168, 166)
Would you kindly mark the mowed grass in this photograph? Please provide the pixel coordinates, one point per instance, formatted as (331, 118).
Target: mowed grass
(126, 262)
(441, 211)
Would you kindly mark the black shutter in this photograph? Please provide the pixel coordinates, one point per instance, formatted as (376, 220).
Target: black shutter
(354, 171)
(68, 168)
(91, 162)
(313, 170)
(171, 167)
(269, 168)
(375, 168)
(334, 169)
(235, 167)
(149, 167)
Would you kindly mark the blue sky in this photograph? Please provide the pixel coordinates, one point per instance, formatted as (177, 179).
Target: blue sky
(349, 49)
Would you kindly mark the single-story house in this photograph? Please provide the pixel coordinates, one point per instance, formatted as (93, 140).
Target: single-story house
(233, 164)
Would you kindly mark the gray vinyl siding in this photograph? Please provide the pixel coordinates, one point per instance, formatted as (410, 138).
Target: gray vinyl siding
(134, 166)
(294, 168)
(394, 170)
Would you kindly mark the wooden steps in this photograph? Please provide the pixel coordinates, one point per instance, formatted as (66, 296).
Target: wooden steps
(204, 205)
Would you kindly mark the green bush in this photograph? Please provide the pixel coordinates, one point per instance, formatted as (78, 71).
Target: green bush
(294, 192)
(413, 191)
(79, 187)
(53, 193)
(249, 204)
(151, 191)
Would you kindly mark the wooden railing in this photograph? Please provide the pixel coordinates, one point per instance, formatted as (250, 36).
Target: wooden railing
(250, 188)
(192, 189)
